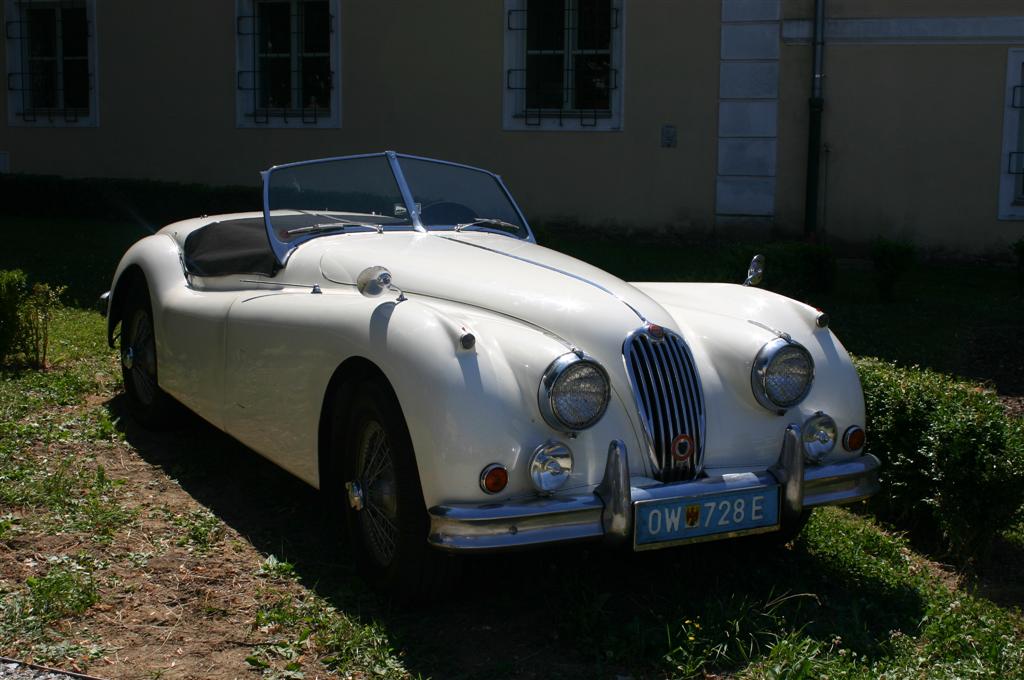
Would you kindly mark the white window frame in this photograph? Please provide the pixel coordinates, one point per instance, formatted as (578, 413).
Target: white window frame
(246, 77)
(16, 68)
(515, 62)
(1011, 184)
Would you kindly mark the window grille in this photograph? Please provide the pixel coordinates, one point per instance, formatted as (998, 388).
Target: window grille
(51, 77)
(291, 78)
(566, 68)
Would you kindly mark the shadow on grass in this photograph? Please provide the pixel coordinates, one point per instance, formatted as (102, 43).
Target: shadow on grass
(545, 613)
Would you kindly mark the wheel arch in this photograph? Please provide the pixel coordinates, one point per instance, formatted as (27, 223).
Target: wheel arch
(132, 275)
(339, 391)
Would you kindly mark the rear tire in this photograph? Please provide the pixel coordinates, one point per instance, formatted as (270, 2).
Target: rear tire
(389, 533)
(147, 403)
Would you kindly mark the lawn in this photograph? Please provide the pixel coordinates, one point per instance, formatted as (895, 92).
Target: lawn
(133, 554)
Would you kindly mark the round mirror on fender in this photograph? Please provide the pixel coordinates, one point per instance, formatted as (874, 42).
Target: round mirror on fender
(373, 281)
(755, 273)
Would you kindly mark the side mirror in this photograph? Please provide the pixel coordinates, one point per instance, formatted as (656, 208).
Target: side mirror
(373, 281)
(755, 273)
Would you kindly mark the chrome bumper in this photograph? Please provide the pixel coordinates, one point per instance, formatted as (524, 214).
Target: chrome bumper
(608, 512)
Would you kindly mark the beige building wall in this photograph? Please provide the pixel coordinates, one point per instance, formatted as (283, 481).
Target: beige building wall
(914, 130)
(424, 78)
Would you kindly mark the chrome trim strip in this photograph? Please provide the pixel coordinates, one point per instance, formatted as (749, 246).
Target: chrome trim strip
(609, 511)
(549, 268)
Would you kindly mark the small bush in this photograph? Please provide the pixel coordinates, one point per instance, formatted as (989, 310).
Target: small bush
(891, 260)
(37, 310)
(25, 316)
(13, 289)
(953, 461)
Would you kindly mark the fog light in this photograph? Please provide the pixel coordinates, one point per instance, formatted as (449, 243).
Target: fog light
(494, 478)
(820, 434)
(550, 467)
(853, 438)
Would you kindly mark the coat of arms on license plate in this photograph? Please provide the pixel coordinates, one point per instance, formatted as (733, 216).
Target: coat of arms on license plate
(692, 515)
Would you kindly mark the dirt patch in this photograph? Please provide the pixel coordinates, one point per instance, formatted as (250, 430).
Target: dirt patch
(167, 607)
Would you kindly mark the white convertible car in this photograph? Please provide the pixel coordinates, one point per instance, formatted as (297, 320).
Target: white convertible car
(388, 330)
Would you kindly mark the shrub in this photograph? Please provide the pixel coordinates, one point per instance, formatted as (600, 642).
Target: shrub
(953, 461)
(891, 260)
(25, 316)
(37, 311)
(12, 292)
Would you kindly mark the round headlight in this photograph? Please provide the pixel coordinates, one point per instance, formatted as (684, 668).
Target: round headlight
(574, 393)
(550, 466)
(782, 374)
(820, 434)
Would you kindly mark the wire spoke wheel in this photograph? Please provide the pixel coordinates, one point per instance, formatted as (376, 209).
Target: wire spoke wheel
(375, 471)
(140, 357)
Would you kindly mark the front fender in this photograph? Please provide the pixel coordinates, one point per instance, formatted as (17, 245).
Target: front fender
(468, 409)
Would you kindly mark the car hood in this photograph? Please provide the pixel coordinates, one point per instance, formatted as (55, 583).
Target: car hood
(587, 307)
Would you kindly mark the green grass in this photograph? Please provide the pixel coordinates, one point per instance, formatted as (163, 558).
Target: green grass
(848, 600)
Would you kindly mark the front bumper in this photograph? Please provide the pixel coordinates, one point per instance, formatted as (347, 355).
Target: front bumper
(608, 512)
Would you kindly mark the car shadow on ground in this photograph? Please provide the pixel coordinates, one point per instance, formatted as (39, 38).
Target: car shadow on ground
(542, 613)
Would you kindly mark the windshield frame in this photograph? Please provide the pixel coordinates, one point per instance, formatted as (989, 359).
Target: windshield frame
(283, 250)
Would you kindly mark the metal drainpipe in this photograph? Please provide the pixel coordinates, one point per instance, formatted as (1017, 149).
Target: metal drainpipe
(817, 107)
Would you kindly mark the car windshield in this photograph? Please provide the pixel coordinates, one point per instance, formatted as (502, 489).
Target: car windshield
(334, 195)
(360, 193)
(458, 197)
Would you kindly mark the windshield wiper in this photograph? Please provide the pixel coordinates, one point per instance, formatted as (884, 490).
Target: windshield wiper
(331, 226)
(488, 222)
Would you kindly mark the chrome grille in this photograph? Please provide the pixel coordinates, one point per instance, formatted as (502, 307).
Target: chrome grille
(669, 398)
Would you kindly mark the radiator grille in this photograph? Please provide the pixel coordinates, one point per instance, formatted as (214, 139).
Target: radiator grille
(669, 398)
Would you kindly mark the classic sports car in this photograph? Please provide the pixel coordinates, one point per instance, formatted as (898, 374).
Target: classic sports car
(388, 330)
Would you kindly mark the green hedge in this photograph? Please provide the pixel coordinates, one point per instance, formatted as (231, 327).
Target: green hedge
(953, 461)
(145, 201)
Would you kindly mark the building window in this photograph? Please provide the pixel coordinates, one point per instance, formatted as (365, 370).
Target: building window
(563, 64)
(288, 63)
(1011, 187)
(50, 57)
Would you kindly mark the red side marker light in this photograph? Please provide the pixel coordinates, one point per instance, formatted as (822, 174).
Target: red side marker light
(494, 478)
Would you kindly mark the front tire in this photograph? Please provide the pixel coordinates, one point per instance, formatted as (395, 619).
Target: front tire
(388, 530)
(147, 403)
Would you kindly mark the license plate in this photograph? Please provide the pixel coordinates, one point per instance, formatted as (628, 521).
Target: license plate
(691, 519)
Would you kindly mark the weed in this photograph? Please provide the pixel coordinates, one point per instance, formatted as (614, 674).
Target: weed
(9, 526)
(64, 591)
(275, 568)
(202, 529)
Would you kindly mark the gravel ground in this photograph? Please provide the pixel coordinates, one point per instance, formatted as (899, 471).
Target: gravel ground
(11, 670)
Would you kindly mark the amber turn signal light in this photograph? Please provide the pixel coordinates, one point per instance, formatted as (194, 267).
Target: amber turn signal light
(494, 478)
(853, 438)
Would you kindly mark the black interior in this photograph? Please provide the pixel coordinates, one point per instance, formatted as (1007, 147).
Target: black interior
(238, 246)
